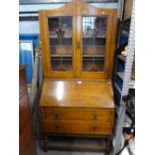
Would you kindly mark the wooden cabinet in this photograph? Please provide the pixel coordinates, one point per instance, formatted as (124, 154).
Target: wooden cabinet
(26, 138)
(78, 41)
(77, 108)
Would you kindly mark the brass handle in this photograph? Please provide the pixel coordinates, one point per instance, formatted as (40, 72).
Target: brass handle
(57, 126)
(95, 117)
(57, 115)
(94, 127)
(78, 45)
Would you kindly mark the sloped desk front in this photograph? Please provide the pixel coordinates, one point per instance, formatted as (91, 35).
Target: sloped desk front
(77, 108)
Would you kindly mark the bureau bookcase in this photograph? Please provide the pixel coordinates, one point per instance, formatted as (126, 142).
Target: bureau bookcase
(77, 42)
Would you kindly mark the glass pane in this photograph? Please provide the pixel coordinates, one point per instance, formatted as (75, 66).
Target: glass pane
(60, 38)
(94, 41)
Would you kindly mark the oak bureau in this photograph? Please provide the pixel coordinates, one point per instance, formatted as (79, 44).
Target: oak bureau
(77, 42)
(77, 108)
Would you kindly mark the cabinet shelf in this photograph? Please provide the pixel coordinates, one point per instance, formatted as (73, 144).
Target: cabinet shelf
(120, 75)
(64, 37)
(94, 51)
(58, 55)
(61, 46)
(70, 36)
(64, 51)
(92, 46)
(63, 58)
(92, 55)
(85, 55)
(91, 58)
(90, 37)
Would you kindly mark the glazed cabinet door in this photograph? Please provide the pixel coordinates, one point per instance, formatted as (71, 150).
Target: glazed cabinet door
(96, 41)
(57, 27)
(78, 41)
(60, 43)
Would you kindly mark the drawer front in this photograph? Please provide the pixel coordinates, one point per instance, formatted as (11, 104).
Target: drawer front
(76, 114)
(76, 127)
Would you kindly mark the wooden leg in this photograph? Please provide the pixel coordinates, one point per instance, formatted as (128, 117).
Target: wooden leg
(108, 142)
(45, 143)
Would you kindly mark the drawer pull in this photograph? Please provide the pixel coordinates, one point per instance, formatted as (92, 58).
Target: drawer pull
(95, 117)
(94, 127)
(57, 115)
(57, 127)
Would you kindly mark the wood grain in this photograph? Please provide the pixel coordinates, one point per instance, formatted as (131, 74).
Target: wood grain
(78, 9)
(24, 112)
(69, 93)
(74, 107)
(77, 103)
(77, 127)
(79, 114)
(26, 137)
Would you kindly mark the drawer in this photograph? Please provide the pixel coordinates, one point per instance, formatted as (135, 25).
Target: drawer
(77, 127)
(77, 114)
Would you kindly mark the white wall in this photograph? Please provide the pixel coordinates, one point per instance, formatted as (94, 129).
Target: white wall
(29, 27)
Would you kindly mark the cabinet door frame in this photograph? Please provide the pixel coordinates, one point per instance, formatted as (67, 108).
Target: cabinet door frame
(67, 10)
(78, 9)
(84, 9)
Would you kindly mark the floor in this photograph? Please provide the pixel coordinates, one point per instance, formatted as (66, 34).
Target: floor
(66, 153)
(64, 142)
